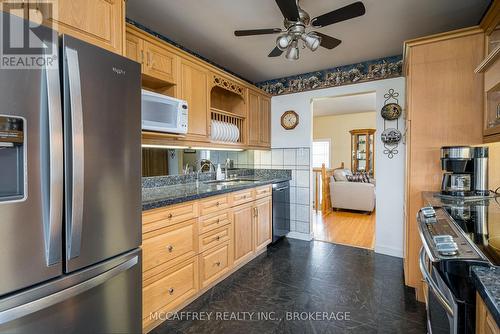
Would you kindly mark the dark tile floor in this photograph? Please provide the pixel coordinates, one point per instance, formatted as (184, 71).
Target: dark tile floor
(298, 276)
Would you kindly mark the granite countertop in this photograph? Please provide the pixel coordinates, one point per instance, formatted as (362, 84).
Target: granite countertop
(157, 197)
(487, 282)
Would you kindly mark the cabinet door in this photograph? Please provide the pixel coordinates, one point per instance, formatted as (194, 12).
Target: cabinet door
(263, 223)
(19, 8)
(160, 63)
(265, 121)
(134, 49)
(99, 22)
(243, 217)
(194, 89)
(253, 118)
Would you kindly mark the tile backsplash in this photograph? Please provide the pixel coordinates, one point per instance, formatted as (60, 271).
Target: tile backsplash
(295, 159)
(298, 161)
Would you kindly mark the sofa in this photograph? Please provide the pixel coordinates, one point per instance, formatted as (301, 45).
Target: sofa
(351, 195)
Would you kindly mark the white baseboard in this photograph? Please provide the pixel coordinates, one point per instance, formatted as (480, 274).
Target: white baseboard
(300, 236)
(386, 250)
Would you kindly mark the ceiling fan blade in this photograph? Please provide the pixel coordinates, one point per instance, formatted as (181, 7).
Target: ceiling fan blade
(328, 42)
(289, 9)
(256, 32)
(345, 13)
(275, 53)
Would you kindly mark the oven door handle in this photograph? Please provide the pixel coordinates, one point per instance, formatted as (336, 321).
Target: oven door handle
(433, 285)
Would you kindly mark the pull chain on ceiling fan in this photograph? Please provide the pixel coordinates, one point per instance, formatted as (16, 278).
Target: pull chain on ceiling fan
(297, 20)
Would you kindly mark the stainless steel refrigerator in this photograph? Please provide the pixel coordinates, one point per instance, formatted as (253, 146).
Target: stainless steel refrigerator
(70, 193)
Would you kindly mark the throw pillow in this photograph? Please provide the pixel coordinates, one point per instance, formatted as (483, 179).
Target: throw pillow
(359, 177)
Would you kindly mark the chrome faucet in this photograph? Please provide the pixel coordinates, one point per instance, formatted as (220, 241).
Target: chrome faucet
(206, 163)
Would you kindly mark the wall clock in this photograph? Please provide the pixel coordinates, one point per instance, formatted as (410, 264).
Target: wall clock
(289, 120)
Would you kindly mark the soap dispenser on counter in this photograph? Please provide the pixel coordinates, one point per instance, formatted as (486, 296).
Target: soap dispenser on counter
(218, 174)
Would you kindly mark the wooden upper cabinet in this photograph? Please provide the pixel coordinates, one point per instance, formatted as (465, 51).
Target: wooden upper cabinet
(259, 119)
(134, 49)
(160, 63)
(265, 121)
(253, 118)
(263, 223)
(99, 22)
(194, 89)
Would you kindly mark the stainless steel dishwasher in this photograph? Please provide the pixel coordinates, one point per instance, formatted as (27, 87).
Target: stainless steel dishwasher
(281, 210)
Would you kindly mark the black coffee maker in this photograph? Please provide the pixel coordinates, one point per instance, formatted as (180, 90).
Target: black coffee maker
(465, 171)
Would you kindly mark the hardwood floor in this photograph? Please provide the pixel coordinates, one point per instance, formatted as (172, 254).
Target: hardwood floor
(346, 228)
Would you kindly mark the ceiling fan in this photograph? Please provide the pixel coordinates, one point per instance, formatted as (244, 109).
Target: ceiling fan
(297, 20)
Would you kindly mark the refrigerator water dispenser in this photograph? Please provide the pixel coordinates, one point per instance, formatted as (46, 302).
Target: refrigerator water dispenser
(12, 159)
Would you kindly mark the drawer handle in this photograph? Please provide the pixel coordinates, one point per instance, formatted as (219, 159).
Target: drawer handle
(217, 263)
(170, 216)
(171, 291)
(170, 248)
(217, 221)
(244, 196)
(217, 204)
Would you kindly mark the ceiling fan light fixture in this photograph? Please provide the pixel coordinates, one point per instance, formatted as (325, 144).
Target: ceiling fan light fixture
(311, 40)
(292, 53)
(283, 41)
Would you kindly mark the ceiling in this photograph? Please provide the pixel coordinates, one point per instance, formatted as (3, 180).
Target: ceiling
(347, 104)
(206, 27)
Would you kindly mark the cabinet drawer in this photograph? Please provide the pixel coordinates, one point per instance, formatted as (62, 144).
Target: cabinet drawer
(163, 217)
(263, 191)
(213, 205)
(206, 224)
(241, 197)
(215, 237)
(174, 287)
(169, 243)
(215, 263)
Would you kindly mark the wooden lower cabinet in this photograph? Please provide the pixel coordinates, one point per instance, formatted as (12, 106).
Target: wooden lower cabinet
(215, 262)
(243, 218)
(190, 247)
(263, 223)
(485, 323)
(169, 243)
(171, 288)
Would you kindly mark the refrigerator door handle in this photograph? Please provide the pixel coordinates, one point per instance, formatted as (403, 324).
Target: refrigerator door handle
(77, 154)
(54, 196)
(60, 296)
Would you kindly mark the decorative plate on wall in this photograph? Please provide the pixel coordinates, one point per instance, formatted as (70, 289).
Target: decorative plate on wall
(391, 111)
(391, 136)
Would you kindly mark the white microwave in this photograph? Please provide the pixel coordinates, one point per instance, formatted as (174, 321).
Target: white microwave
(163, 113)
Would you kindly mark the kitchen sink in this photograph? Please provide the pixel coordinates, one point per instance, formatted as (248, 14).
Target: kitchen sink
(230, 182)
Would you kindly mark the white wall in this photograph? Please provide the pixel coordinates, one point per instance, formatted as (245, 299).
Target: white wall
(390, 172)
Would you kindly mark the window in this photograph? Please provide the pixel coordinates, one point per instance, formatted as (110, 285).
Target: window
(321, 153)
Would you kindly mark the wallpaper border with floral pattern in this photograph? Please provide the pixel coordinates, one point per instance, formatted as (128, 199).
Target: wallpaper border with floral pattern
(382, 68)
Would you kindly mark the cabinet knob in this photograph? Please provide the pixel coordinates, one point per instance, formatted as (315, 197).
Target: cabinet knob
(217, 204)
(170, 248)
(171, 291)
(217, 263)
(170, 216)
(217, 221)
(217, 237)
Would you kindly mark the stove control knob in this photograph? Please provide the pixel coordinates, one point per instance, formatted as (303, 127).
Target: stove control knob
(442, 238)
(428, 212)
(447, 248)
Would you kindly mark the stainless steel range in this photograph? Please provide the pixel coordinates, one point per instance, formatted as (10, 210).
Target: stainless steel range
(456, 234)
